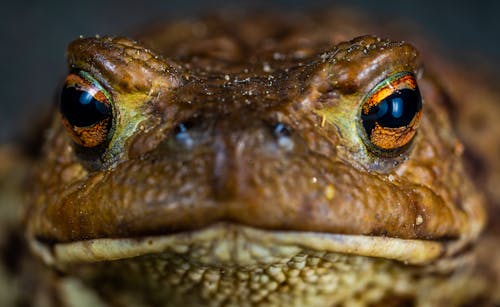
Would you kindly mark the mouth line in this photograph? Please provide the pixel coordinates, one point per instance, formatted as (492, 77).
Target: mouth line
(234, 244)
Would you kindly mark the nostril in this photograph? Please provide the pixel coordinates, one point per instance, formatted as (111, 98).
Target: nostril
(281, 129)
(182, 134)
(282, 133)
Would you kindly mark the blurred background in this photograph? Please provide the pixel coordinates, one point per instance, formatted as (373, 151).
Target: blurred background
(34, 35)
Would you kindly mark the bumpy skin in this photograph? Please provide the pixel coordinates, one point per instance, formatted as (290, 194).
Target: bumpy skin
(144, 183)
(233, 80)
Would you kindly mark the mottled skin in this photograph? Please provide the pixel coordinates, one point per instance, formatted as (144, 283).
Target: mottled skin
(236, 164)
(177, 223)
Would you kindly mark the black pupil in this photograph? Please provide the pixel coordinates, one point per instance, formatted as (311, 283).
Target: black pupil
(396, 110)
(81, 109)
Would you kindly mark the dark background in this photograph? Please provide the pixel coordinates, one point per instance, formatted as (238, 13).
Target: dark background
(34, 35)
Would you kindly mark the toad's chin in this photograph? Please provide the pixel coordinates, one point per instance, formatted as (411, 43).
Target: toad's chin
(232, 245)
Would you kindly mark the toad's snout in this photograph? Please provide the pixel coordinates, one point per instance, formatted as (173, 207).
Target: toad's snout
(233, 144)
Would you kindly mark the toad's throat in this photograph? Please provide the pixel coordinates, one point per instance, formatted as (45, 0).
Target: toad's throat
(226, 245)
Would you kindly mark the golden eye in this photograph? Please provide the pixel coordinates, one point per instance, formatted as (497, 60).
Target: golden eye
(390, 114)
(86, 110)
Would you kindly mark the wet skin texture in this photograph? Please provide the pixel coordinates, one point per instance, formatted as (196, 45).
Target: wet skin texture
(251, 124)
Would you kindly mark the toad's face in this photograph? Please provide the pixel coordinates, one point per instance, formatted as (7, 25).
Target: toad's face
(240, 164)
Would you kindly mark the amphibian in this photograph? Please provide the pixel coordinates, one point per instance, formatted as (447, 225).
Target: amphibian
(270, 161)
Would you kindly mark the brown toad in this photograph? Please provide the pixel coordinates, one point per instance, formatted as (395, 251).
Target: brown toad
(255, 161)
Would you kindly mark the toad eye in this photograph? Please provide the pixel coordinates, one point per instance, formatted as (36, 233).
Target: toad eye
(86, 110)
(391, 113)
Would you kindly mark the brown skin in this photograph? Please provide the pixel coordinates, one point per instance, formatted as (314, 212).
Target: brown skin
(236, 128)
(233, 82)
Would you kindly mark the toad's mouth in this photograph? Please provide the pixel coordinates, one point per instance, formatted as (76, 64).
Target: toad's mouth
(227, 244)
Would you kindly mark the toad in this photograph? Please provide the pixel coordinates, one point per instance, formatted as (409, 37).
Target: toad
(255, 161)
